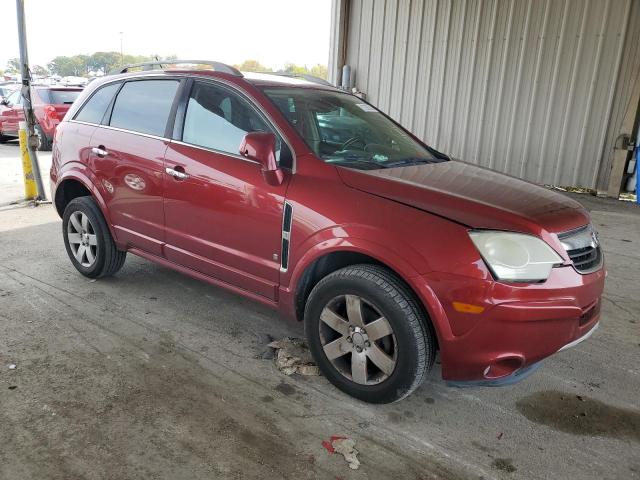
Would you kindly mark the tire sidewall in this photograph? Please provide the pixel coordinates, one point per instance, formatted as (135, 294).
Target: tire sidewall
(80, 204)
(45, 143)
(406, 369)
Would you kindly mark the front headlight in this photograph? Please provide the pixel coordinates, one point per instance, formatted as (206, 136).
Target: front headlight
(515, 257)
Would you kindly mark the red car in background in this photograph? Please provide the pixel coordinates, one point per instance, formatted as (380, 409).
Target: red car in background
(50, 104)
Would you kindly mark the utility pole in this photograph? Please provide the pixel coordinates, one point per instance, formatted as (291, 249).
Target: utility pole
(32, 138)
(121, 51)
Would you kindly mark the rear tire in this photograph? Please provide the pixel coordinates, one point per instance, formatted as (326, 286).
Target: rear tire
(368, 334)
(45, 143)
(88, 240)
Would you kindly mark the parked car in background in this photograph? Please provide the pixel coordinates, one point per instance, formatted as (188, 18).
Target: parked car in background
(74, 81)
(7, 88)
(49, 106)
(310, 200)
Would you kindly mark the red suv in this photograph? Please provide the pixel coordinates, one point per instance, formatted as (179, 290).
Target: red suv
(49, 106)
(310, 200)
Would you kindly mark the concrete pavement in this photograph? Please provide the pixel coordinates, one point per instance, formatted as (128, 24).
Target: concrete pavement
(11, 178)
(151, 374)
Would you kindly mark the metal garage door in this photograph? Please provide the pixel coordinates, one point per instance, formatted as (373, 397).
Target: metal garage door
(534, 88)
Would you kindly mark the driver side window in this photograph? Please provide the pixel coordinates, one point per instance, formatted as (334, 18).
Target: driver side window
(218, 118)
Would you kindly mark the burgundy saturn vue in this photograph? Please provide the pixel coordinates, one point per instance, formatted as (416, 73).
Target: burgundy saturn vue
(310, 200)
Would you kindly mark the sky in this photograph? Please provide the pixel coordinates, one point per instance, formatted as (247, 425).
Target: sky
(273, 32)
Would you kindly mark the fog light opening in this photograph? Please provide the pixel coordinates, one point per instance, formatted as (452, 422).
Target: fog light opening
(503, 367)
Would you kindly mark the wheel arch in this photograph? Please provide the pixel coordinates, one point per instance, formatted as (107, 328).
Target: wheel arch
(76, 184)
(330, 261)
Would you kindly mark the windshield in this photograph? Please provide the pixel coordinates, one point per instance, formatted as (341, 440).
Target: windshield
(342, 129)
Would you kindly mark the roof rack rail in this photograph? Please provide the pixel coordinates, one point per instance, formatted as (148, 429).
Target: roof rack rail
(304, 76)
(217, 66)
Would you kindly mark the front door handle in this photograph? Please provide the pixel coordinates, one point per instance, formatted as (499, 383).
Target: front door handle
(176, 173)
(100, 151)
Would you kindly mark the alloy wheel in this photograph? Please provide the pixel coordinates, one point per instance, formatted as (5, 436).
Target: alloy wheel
(358, 340)
(82, 239)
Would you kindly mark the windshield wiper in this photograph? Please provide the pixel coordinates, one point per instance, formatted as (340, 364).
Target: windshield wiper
(408, 161)
(356, 160)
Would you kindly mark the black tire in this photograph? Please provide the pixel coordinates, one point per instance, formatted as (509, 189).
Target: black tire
(414, 336)
(108, 259)
(45, 143)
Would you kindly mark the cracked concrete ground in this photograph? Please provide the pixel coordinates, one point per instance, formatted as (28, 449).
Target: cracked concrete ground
(151, 374)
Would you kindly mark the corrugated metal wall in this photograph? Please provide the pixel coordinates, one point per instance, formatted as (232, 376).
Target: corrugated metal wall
(527, 87)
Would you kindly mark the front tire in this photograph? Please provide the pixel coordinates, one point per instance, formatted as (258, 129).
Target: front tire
(88, 240)
(368, 334)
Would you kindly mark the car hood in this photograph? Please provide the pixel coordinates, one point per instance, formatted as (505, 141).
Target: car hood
(471, 195)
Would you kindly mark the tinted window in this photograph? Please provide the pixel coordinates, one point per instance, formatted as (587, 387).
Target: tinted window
(94, 109)
(59, 97)
(217, 118)
(144, 106)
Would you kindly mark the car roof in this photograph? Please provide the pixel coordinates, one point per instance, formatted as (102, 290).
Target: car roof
(58, 87)
(256, 79)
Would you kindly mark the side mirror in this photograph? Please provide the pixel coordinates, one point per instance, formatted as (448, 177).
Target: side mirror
(3, 101)
(261, 147)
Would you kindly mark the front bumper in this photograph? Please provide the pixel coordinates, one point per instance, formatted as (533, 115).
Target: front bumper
(519, 326)
(519, 374)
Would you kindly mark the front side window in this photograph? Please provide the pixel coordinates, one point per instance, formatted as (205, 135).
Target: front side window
(218, 118)
(96, 106)
(342, 129)
(144, 106)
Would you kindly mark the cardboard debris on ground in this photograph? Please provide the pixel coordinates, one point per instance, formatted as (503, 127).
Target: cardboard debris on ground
(293, 356)
(345, 447)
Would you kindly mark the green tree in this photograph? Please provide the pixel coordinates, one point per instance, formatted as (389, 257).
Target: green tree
(69, 66)
(129, 59)
(252, 66)
(104, 62)
(39, 70)
(319, 71)
(294, 69)
(13, 65)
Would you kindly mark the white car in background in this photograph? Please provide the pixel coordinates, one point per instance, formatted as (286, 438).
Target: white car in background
(74, 81)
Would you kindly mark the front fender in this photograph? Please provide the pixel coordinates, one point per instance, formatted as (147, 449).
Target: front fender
(356, 239)
(401, 264)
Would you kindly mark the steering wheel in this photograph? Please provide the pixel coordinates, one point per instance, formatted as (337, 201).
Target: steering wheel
(352, 141)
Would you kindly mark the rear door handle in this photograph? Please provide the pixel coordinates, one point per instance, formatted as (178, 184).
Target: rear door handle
(100, 151)
(176, 174)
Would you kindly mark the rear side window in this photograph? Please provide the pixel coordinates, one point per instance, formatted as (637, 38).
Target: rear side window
(93, 110)
(59, 97)
(144, 106)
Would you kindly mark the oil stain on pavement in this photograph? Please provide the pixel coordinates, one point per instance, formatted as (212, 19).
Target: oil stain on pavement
(579, 415)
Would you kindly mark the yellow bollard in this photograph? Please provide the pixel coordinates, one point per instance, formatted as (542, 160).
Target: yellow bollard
(30, 189)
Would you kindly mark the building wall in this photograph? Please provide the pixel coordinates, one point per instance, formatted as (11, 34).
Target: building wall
(533, 88)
